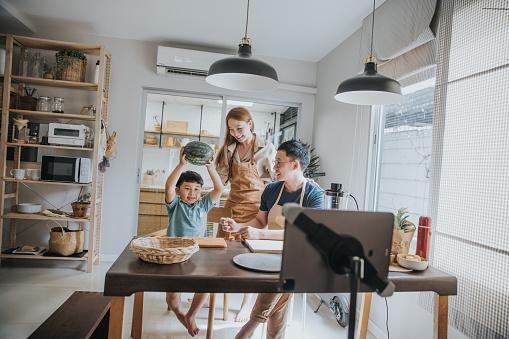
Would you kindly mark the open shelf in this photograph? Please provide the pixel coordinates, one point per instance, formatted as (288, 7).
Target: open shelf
(37, 216)
(47, 182)
(53, 115)
(15, 144)
(56, 83)
(55, 45)
(41, 256)
(184, 134)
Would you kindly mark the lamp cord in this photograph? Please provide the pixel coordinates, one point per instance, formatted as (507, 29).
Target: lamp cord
(247, 17)
(372, 27)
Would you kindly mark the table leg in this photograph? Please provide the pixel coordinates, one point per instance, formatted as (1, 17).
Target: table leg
(210, 323)
(225, 307)
(440, 316)
(362, 327)
(137, 325)
(116, 327)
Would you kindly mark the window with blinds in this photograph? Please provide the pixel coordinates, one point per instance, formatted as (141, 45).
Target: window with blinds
(469, 189)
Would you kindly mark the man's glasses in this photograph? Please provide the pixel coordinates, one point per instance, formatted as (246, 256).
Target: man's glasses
(276, 163)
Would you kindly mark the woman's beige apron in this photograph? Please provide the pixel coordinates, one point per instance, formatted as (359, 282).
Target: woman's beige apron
(276, 220)
(246, 191)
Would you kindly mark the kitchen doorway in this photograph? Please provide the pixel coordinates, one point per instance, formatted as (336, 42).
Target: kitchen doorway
(171, 119)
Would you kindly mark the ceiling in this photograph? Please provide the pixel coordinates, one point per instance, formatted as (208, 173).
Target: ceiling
(304, 30)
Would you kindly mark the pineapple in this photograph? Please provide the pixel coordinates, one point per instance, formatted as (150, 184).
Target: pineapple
(401, 220)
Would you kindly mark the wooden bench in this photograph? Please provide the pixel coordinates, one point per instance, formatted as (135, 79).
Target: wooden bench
(83, 315)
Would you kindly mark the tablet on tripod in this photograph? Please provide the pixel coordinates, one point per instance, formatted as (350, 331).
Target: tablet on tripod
(305, 269)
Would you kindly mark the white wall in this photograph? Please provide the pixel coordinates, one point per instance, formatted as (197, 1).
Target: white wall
(134, 67)
(341, 138)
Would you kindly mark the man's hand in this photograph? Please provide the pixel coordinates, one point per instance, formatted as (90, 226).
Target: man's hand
(229, 225)
(183, 160)
(249, 232)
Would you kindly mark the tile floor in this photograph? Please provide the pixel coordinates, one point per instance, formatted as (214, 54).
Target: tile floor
(31, 290)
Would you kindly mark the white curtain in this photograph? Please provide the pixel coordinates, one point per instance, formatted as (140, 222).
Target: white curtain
(469, 195)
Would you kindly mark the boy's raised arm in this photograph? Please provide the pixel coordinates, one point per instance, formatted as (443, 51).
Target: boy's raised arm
(171, 182)
(215, 194)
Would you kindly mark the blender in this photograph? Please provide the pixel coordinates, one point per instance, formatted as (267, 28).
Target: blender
(335, 198)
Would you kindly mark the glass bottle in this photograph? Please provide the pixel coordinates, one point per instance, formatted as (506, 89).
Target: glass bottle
(423, 237)
(44, 67)
(23, 63)
(34, 70)
(58, 105)
(43, 104)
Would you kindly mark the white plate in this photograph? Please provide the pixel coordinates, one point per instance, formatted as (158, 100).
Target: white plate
(264, 262)
(412, 264)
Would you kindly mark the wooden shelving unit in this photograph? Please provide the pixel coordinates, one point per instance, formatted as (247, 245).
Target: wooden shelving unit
(10, 80)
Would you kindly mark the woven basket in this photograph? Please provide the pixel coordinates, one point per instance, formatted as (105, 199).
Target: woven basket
(71, 69)
(164, 250)
(64, 241)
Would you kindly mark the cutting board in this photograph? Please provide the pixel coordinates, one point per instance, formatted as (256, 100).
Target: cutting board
(209, 242)
(264, 246)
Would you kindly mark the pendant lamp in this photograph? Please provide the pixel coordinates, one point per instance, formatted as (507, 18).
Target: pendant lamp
(369, 88)
(243, 72)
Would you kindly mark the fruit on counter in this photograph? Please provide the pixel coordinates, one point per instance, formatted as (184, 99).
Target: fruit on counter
(198, 153)
(413, 257)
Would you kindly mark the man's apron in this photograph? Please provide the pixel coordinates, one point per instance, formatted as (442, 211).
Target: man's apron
(276, 220)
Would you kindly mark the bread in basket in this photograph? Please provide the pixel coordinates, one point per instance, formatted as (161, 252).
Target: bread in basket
(164, 250)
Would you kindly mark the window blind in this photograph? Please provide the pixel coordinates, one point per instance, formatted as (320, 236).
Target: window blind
(469, 193)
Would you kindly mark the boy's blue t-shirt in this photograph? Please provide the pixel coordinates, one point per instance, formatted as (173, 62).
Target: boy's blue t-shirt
(188, 220)
(313, 196)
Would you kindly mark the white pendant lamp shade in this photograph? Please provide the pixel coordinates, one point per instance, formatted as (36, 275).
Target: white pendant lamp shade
(243, 72)
(369, 88)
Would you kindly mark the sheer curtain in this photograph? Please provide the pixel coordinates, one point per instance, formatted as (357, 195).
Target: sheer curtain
(469, 194)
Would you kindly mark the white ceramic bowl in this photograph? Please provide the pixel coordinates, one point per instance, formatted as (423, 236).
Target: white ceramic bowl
(412, 264)
(29, 208)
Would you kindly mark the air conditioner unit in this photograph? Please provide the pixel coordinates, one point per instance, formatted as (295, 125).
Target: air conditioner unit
(171, 61)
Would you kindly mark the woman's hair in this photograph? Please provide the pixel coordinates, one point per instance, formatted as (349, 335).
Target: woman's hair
(237, 113)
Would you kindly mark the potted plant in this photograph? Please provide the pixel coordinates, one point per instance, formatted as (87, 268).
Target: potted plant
(314, 161)
(148, 177)
(81, 205)
(71, 65)
(403, 232)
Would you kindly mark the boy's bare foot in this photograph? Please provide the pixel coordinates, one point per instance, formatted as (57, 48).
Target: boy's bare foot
(247, 330)
(192, 328)
(205, 304)
(243, 315)
(182, 318)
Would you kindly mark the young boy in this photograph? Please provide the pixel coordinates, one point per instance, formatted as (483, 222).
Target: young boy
(188, 214)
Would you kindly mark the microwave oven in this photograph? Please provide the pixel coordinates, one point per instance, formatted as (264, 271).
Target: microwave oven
(66, 134)
(66, 169)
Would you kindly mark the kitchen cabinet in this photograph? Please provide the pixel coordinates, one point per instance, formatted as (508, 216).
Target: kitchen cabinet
(13, 83)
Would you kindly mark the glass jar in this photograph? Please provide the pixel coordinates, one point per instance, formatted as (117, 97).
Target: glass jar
(89, 137)
(43, 104)
(58, 105)
(34, 70)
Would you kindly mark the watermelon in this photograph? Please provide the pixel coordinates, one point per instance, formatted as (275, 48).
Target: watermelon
(198, 153)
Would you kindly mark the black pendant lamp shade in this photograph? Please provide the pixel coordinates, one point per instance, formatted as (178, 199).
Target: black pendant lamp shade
(243, 72)
(369, 88)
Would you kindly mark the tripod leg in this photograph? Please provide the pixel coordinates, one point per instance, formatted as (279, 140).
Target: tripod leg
(321, 303)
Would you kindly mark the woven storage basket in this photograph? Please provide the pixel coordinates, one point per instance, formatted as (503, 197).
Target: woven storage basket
(71, 69)
(64, 241)
(164, 250)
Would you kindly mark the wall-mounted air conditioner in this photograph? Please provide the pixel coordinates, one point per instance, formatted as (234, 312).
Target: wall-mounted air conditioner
(172, 61)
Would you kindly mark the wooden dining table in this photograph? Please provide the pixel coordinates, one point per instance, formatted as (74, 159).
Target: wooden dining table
(213, 270)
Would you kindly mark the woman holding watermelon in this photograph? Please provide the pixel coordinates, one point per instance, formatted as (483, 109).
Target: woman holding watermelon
(245, 161)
